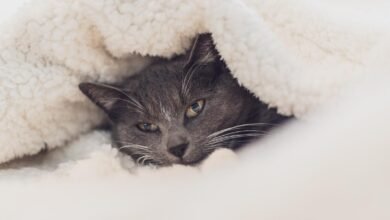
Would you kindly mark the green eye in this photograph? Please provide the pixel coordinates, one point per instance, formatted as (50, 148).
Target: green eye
(147, 127)
(195, 108)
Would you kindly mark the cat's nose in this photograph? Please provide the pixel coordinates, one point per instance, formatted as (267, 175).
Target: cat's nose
(178, 150)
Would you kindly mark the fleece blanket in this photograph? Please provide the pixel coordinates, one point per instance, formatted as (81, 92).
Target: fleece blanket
(325, 62)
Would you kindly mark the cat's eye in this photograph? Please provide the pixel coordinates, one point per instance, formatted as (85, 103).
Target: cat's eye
(195, 108)
(147, 127)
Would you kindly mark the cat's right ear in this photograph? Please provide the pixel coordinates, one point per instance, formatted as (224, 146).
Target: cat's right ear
(104, 96)
(203, 51)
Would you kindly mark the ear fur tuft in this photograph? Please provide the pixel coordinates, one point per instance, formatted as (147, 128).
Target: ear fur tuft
(104, 96)
(203, 51)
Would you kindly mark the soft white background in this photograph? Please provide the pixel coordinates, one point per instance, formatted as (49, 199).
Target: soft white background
(7, 8)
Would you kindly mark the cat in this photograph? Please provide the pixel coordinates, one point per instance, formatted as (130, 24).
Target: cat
(179, 110)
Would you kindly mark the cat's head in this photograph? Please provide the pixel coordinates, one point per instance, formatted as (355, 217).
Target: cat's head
(180, 110)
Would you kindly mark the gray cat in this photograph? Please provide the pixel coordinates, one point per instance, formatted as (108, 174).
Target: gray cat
(180, 110)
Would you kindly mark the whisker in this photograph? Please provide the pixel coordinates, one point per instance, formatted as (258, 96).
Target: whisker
(144, 159)
(129, 143)
(142, 153)
(223, 144)
(232, 137)
(238, 132)
(238, 127)
(136, 147)
(126, 95)
(131, 101)
(141, 160)
(187, 79)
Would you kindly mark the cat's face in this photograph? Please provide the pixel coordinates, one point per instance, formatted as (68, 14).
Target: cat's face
(180, 110)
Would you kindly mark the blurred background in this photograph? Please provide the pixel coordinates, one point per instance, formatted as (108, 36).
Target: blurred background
(7, 8)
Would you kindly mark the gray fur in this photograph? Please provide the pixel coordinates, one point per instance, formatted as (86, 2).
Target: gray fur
(161, 94)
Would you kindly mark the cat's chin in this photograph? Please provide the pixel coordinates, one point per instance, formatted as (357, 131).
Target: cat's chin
(193, 162)
(185, 162)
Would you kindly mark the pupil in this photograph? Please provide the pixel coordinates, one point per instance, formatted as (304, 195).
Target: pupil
(195, 106)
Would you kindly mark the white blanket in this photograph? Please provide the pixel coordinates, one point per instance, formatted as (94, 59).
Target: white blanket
(294, 55)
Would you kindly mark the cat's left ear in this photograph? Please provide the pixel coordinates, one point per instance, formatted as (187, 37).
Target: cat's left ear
(104, 96)
(203, 51)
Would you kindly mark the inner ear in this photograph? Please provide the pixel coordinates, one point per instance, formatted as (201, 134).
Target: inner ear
(203, 51)
(104, 96)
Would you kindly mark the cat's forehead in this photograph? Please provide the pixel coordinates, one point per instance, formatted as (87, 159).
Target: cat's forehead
(165, 90)
(163, 102)
(160, 84)
(159, 92)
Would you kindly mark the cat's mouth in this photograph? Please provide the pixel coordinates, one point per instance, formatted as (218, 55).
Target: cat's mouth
(155, 162)
(193, 159)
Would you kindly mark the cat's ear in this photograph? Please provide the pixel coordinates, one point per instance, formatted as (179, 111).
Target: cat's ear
(203, 51)
(104, 96)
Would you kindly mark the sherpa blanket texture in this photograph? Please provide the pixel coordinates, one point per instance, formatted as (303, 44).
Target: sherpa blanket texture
(325, 62)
